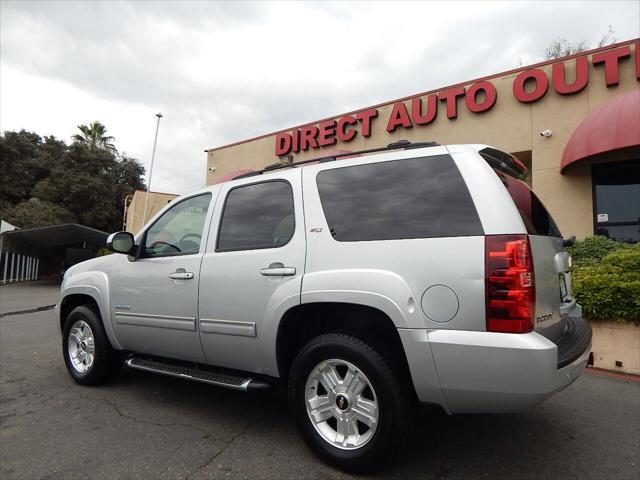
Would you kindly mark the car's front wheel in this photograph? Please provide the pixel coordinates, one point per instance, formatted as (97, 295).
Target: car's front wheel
(351, 409)
(88, 355)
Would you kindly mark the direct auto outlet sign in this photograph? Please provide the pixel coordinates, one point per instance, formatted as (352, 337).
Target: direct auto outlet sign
(528, 86)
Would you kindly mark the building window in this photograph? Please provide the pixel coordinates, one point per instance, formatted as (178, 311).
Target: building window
(616, 200)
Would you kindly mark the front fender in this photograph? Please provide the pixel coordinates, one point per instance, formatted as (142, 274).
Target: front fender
(380, 289)
(95, 285)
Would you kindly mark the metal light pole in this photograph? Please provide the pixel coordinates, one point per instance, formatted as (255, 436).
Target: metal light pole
(153, 156)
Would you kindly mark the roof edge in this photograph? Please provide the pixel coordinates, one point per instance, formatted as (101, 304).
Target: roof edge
(158, 193)
(59, 225)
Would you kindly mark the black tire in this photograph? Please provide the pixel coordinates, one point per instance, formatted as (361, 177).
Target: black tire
(393, 398)
(107, 361)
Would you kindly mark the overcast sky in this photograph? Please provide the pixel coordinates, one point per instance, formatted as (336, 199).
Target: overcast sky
(227, 71)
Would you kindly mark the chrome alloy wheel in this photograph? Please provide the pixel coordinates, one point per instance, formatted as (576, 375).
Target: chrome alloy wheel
(81, 346)
(342, 404)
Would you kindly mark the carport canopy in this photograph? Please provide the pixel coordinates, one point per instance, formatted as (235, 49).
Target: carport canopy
(57, 235)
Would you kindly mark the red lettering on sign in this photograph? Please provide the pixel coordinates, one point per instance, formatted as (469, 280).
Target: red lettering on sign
(610, 60)
(540, 79)
(295, 143)
(451, 97)
(559, 81)
(432, 110)
(283, 143)
(345, 135)
(490, 96)
(399, 117)
(308, 137)
(366, 117)
(327, 132)
(529, 86)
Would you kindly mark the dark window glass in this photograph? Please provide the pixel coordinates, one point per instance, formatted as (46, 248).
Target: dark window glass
(257, 216)
(616, 195)
(179, 230)
(415, 198)
(535, 216)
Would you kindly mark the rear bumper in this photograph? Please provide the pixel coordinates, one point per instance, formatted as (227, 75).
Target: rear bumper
(483, 372)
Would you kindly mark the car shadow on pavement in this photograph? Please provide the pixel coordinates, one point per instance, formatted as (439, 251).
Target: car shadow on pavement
(441, 446)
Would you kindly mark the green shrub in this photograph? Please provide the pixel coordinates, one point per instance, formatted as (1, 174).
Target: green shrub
(592, 250)
(628, 259)
(606, 279)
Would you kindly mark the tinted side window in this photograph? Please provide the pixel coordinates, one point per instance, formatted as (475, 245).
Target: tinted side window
(179, 230)
(257, 216)
(534, 215)
(415, 198)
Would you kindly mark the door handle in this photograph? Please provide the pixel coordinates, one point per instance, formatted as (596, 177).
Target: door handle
(278, 269)
(181, 274)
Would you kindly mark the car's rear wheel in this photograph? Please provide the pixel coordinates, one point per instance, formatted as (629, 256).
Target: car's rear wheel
(350, 408)
(88, 355)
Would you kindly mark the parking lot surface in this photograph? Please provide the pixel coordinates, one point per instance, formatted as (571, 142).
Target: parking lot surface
(148, 426)
(19, 297)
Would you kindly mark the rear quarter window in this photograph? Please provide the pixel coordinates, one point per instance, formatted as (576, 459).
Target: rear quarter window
(421, 197)
(534, 215)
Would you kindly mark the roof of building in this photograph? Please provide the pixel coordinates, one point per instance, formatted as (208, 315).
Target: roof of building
(57, 235)
(157, 193)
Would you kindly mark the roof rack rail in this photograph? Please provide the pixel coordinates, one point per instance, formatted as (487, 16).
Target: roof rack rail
(404, 144)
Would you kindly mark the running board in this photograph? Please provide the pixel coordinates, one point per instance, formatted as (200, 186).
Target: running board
(220, 379)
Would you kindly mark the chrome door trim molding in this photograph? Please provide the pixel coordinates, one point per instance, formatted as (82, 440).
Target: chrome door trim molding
(228, 327)
(158, 321)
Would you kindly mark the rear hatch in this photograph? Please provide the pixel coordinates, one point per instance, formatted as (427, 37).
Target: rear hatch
(551, 265)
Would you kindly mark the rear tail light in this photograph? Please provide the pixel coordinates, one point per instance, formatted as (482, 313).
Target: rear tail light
(509, 284)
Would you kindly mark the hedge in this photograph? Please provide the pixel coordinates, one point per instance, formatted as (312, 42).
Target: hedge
(606, 279)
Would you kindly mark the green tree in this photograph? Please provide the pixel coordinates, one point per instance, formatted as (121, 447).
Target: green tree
(92, 184)
(45, 182)
(95, 136)
(21, 166)
(36, 213)
(127, 177)
(561, 47)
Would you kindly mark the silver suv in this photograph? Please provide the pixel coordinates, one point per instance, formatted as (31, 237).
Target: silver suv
(365, 282)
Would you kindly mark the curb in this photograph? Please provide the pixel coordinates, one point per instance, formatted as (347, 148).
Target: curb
(31, 310)
(598, 372)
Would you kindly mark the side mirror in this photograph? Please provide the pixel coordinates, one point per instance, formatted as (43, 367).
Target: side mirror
(121, 242)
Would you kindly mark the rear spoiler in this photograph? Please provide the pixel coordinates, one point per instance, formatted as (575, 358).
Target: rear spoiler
(504, 162)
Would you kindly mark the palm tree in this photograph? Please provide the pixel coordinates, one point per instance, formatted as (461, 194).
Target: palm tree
(94, 136)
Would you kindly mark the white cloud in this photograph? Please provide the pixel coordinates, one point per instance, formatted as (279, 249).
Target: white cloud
(222, 72)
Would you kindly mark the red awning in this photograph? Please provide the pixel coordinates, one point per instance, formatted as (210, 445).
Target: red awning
(613, 125)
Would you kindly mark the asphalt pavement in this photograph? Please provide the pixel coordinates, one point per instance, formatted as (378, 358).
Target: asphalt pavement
(152, 427)
(28, 296)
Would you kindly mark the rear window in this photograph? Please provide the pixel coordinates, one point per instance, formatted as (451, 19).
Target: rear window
(534, 215)
(415, 198)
